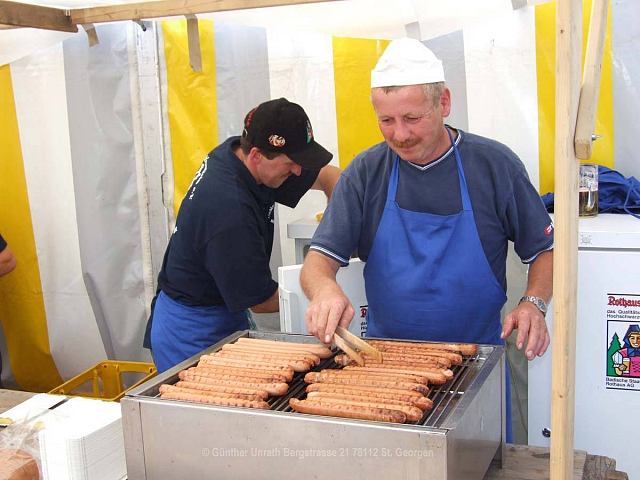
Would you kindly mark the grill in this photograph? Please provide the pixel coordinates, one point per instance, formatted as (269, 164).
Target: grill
(456, 439)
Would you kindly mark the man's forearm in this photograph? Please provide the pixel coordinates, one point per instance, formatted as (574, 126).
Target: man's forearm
(327, 179)
(540, 278)
(318, 272)
(270, 305)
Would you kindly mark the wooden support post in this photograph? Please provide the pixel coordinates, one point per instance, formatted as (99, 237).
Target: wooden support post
(588, 105)
(565, 256)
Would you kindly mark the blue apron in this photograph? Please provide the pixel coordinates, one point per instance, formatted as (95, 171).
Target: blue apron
(427, 276)
(180, 331)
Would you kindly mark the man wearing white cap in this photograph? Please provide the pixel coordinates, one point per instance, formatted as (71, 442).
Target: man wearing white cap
(431, 211)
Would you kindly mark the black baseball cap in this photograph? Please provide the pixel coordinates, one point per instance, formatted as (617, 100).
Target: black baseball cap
(281, 126)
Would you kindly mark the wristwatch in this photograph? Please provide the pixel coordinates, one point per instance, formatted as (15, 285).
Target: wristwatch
(537, 301)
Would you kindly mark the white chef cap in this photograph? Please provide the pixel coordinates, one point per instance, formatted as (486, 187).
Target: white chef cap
(406, 61)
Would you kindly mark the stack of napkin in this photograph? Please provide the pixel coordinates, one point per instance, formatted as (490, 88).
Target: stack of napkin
(78, 439)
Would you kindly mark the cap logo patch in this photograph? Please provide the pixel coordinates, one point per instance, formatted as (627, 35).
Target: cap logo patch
(309, 132)
(277, 141)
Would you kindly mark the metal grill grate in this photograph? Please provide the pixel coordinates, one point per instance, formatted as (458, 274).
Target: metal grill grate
(445, 397)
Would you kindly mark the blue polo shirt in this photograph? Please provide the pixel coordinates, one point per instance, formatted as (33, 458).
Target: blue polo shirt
(506, 206)
(220, 249)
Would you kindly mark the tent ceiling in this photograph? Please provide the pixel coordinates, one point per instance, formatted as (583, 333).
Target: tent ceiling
(341, 17)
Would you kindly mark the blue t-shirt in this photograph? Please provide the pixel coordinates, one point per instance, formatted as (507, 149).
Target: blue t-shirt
(505, 204)
(3, 244)
(220, 249)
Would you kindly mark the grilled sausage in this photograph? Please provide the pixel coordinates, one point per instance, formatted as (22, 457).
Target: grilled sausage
(188, 377)
(171, 392)
(404, 376)
(412, 413)
(423, 403)
(455, 357)
(275, 389)
(272, 351)
(297, 365)
(463, 348)
(328, 387)
(234, 362)
(347, 411)
(423, 356)
(287, 375)
(428, 362)
(319, 377)
(315, 348)
(206, 389)
(419, 357)
(364, 373)
(230, 373)
(437, 377)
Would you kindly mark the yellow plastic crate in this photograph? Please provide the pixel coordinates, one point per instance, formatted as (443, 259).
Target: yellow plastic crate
(108, 380)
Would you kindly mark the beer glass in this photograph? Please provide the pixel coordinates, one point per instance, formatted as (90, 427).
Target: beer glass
(588, 190)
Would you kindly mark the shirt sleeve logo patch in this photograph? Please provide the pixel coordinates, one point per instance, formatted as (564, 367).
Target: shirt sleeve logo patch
(549, 229)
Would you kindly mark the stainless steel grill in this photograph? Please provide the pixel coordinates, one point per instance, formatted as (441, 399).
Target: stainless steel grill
(462, 431)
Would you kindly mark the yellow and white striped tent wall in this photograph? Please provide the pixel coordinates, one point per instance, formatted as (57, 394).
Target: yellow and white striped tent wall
(82, 197)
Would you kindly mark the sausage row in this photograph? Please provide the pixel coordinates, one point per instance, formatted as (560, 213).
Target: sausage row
(245, 373)
(393, 389)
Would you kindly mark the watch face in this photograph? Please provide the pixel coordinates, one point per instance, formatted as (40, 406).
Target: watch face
(538, 302)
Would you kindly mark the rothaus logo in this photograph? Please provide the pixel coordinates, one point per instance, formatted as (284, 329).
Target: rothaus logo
(623, 302)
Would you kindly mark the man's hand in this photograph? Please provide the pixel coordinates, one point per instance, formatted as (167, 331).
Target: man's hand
(329, 308)
(531, 326)
(7, 261)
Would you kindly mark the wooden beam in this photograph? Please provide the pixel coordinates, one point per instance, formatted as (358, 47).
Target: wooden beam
(565, 250)
(35, 16)
(168, 8)
(588, 105)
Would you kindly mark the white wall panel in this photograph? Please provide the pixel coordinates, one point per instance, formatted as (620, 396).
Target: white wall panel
(502, 96)
(301, 69)
(38, 80)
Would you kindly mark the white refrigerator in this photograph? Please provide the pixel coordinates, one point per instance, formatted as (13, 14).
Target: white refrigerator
(607, 399)
(293, 302)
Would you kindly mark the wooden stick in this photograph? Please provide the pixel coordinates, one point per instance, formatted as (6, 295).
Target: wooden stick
(565, 256)
(588, 104)
(359, 343)
(342, 345)
(193, 36)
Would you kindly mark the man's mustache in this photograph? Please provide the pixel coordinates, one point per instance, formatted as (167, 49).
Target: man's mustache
(406, 144)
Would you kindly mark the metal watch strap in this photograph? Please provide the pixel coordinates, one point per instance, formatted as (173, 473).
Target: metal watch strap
(537, 301)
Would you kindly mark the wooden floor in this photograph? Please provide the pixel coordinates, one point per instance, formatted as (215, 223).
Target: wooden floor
(521, 462)
(531, 463)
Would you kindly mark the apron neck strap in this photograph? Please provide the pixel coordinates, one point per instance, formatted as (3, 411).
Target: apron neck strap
(464, 191)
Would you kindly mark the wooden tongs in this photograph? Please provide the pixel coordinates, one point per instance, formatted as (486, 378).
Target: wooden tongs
(348, 343)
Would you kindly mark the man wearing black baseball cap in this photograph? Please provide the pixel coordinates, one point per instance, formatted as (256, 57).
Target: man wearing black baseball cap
(216, 266)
